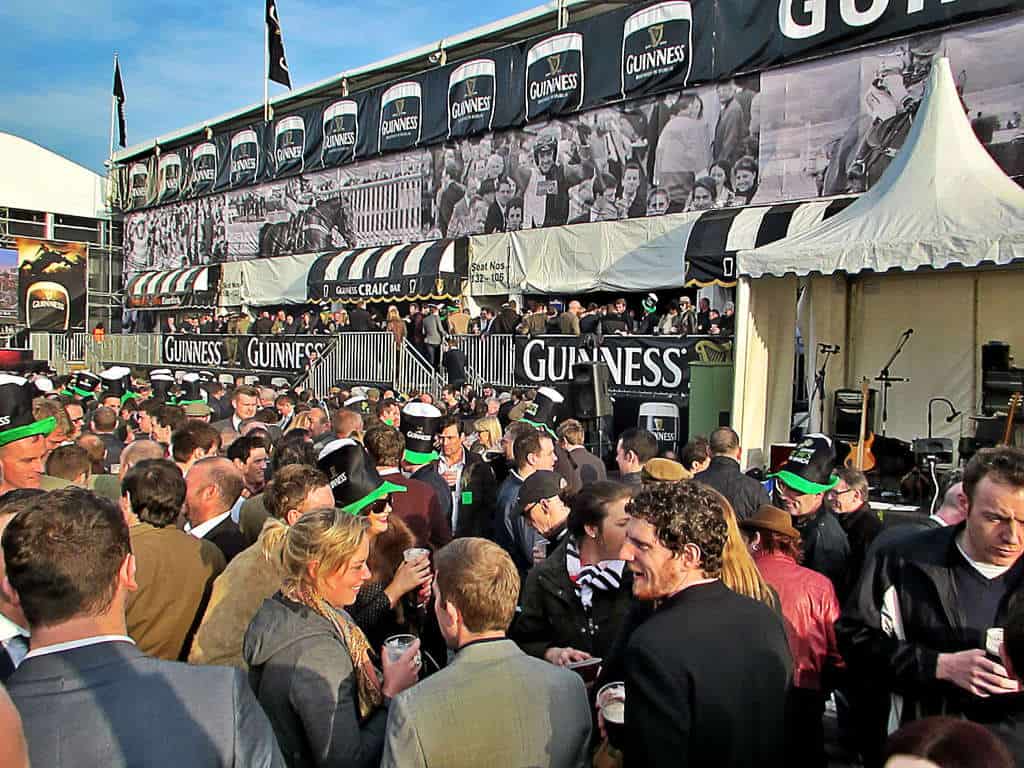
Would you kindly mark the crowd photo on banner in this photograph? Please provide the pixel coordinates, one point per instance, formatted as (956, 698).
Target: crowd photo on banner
(480, 415)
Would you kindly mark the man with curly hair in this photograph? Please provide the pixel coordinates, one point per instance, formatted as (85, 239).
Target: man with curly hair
(707, 672)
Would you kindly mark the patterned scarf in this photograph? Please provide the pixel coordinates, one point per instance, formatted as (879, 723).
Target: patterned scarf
(371, 697)
(605, 576)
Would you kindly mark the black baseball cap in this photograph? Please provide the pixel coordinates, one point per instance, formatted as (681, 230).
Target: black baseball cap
(540, 485)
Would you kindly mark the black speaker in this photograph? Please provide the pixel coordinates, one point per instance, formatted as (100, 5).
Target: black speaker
(588, 390)
(846, 408)
(995, 356)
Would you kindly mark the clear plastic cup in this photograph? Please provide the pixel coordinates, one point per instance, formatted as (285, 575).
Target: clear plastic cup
(396, 645)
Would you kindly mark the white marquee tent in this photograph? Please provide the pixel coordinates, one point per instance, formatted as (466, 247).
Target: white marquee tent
(949, 223)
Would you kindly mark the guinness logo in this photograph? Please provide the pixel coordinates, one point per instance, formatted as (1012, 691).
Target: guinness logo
(399, 106)
(659, 424)
(657, 35)
(471, 87)
(554, 64)
(439, 285)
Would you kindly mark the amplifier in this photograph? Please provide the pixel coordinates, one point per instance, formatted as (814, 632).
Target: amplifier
(939, 447)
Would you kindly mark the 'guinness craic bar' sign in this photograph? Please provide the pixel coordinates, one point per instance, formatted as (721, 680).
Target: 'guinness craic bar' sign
(638, 364)
(280, 354)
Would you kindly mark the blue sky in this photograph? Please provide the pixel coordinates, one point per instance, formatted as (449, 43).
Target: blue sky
(187, 61)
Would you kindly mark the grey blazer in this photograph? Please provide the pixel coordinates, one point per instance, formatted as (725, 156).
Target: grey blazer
(493, 706)
(109, 704)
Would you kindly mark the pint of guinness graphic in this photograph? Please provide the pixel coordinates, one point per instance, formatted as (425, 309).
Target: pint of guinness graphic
(204, 168)
(169, 175)
(138, 180)
(471, 98)
(554, 75)
(341, 131)
(245, 158)
(289, 145)
(400, 116)
(47, 306)
(657, 48)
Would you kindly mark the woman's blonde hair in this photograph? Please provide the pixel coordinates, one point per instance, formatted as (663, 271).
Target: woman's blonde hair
(328, 537)
(301, 420)
(739, 572)
(393, 314)
(491, 426)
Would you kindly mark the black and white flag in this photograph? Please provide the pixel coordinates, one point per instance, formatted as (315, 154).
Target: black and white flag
(122, 129)
(277, 69)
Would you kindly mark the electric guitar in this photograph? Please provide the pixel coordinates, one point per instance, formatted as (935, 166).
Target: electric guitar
(860, 452)
(1015, 402)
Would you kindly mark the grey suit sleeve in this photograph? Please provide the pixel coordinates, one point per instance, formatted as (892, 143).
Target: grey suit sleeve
(402, 748)
(255, 743)
(323, 694)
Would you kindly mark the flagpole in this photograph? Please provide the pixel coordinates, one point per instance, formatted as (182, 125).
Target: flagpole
(113, 118)
(266, 72)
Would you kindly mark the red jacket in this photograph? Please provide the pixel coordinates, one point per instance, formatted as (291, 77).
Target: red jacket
(810, 608)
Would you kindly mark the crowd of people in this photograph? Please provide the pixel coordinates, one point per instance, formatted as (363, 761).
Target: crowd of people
(201, 576)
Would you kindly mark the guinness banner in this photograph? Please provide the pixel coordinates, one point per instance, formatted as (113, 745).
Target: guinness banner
(246, 159)
(340, 133)
(471, 90)
(278, 354)
(401, 116)
(289, 145)
(52, 285)
(657, 48)
(204, 168)
(169, 169)
(657, 365)
(554, 75)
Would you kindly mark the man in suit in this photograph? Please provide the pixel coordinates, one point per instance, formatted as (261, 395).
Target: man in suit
(728, 654)
(635, 448)
(245, 401)
(104, 422)
(587, 467)
(86, 694)
(433, 335)
(175, 570)
(492, 704)
(418, 507)
(359, 318)
(745, 493)
(535, 323)
(212, 487)
(470, 481)
(497, 213)
(14, 634)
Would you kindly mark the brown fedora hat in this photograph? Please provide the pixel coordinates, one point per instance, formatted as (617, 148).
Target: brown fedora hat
(769, 518)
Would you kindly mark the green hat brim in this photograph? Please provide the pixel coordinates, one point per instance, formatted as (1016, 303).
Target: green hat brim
(41, 427)
(415, 457)
(539, 425)
(803, 485)
(383, 490)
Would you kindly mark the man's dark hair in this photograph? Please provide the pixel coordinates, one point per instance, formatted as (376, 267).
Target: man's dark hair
(155, 491)
(685, 513)
(104, 419)
(192, 435)
(68, 462)
(641, 442)
(383, 404)
(10, 502)
(170, 416)
(696, 451)
(267, 416)
(450, 421)
(590, 505)
(724, 441)
(244, 446)
(63, 551)
(385, 445)
(951, 742)
(290, 487)
(1003, 464)
(526, 444)
(571, 431)
(287, 396)
(293, 448)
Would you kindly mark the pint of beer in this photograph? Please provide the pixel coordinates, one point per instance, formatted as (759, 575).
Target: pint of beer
(47, 306)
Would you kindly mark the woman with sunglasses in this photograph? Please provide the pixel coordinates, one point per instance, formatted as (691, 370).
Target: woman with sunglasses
(310, 665)
(378, 609)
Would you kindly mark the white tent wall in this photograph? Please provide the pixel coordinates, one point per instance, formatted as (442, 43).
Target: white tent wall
(823, 321)
(765, 353)
(265, 282)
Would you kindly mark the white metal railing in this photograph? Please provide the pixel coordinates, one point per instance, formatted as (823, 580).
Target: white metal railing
(415, 374)
(61, 350)
(490, 359)
(125, 348)
(357, 358)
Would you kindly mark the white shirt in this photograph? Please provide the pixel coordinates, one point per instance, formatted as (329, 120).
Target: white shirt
(8, 631)
(72, 644)
(236, 508)
(987, 570)
(442, 467)
(202, 529)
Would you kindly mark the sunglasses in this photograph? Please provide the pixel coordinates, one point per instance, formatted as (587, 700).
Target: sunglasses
(378, 507)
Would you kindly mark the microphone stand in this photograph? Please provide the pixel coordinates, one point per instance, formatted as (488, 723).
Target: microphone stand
(887, 380)
(819, 386)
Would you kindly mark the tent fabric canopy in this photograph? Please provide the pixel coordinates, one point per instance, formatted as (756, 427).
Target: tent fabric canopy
(942, 201)
(418, 271)
(188, 288)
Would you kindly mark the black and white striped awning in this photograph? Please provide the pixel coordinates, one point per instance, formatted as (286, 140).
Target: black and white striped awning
(189, 288)
(718, 234)
(414, 272)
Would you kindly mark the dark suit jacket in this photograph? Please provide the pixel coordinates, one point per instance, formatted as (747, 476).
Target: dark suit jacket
(477, 495)
(360, 320)
(744, 493)
(228, 538)
(696, 671)
(113, 448)
(99, 705)
(495, 219)
(587, 467)
(428, 474)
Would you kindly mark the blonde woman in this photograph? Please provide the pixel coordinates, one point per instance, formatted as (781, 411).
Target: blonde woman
(488, 430)
(301, 420)
(739, 571)
(309, 664)
(396, 325)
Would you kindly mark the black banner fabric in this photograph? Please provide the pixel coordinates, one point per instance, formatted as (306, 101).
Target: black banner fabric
(634, 52)
(52, 285)
(278, 354)
(656, 365)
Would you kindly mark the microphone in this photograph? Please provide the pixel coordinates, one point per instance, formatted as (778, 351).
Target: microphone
(828, 348)
(953, 415)
(908, 332)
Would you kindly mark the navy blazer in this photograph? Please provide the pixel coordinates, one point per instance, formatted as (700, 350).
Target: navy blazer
(109, 704)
